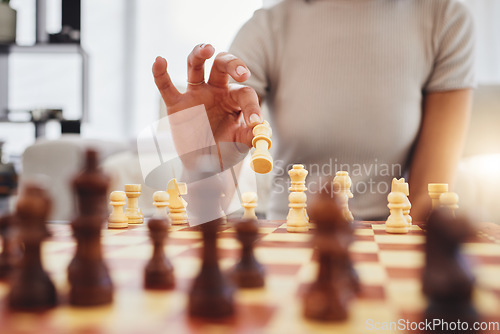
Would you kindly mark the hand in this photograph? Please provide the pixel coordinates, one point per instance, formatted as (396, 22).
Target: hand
(233, 110)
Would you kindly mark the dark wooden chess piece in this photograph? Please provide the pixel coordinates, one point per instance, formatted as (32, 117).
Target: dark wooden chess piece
(159, 273)
(328, 296)
(447, 278)
(11, 248)
(87, 273)
(31, 287)
(248, 272)
(211, 295)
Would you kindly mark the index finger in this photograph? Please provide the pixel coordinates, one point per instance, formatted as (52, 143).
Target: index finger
(227, 65)
(248, 101)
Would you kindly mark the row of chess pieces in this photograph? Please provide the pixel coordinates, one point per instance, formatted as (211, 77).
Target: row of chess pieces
(171, 204)
(171, 199)
(261, 162)
(399, 220)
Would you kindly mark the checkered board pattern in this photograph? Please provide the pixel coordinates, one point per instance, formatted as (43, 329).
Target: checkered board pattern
(389, 267)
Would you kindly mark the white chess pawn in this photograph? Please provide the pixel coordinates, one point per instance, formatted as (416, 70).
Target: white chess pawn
(249, 203)
(396, 223)
(177, 205)
(117, 218)
(297, 221)
(262, 161)
(133, 212)
(223, 216)
(435, 190)
(403, 187)
(342, 185)
(160, 201)
(449, 200)
(298, 176)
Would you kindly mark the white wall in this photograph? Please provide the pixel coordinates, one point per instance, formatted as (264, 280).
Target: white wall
(487, 22)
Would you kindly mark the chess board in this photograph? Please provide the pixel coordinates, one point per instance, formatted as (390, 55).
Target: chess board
(389, 267)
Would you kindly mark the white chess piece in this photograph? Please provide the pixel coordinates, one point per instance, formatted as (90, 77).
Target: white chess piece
(298, 176)
(403, 187)
(249, 203)
(262, 161)
(297, 221)
(133, 212)
(449, 200)
(342, 185)
(160, 201)
(223, 216)
(177, 205)
(435, 190)
(117, 218)
(396, 222)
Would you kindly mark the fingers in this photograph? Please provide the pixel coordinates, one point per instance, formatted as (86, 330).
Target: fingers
(226, 65)
(196, 62)
(245, 137)
(248, 101)
(168, 92)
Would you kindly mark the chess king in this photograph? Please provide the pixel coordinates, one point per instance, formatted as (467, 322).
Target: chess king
(88, 274)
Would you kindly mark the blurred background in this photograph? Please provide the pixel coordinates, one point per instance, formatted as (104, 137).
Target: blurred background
(95, 67)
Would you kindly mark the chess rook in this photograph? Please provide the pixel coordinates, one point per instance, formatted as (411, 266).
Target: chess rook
(399, 185)
(133, 212)
(177, 205)
(117, 218)
(342, 185)
(396, 222)
(297, 219)
(88, 275)
(161, 201)
(159, 272)
(249, 203)
(435, 190)
(262, 161)
(31, 287)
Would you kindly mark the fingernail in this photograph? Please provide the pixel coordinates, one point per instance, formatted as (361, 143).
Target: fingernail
(241, 70)
(254, 118)
(203, 45)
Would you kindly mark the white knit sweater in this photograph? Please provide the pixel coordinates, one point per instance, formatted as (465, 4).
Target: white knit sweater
(344, 80)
